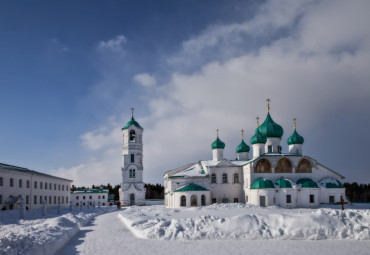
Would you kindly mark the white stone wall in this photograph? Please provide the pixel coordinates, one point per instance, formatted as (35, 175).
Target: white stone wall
(88, 198)
(218, 154)
(175, 198)
(35, 192)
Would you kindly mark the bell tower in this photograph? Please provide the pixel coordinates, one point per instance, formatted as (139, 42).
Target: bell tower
(132, 190)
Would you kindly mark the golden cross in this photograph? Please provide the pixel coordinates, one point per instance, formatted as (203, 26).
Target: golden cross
(258, 124)
(268, 104)
(294, 120)
(132, 111)
(242, 133)
(217, 131)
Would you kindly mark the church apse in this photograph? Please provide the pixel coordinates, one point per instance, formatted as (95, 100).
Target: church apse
(263, 166)
(283, 166)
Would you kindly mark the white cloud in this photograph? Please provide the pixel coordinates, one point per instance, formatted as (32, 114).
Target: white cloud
(58, 45)
(145, 80)
(312, 73)
(116, 44)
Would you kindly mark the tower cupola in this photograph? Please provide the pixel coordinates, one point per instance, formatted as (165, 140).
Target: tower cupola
(218, 147)
(243, 149)
(295, 141)
(258, 142)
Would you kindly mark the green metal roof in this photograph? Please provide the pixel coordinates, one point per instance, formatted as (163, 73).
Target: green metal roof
(307, 183)
(218, 144)
(191, 187)
(283, 183)
(270, 129)
(258, 137)
(295, 138)
(132, 122)
(242, 147)
(262, 183)
(337, 185)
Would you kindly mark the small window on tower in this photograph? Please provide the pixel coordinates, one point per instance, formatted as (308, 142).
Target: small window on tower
(269, 148)
(132, 158)
(132, 136)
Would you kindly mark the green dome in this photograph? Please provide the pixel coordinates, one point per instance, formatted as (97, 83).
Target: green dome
(258, 137)
(307, 183)
(270, 129)
(242, 147)
(262, 183)
(218, 144)
(130, 123)
(283, 183)
(295, 138)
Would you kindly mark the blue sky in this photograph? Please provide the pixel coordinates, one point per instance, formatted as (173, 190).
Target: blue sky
(71, 70)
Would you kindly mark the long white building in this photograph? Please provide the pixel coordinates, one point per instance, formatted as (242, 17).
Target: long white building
(89, 197)
(18, 183)
(269, 177)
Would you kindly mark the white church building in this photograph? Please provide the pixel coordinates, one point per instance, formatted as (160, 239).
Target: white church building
(269, 177)
(132, 191)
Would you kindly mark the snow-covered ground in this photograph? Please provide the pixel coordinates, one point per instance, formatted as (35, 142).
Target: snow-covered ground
(216, 229)
(240, 221)
(41, 235)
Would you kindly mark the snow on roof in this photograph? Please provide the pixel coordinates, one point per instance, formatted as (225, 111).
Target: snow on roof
(330, 183)
(80, 191)
(194, 170)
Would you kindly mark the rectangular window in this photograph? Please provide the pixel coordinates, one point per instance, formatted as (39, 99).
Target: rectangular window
(83, 197)
(1, 199)
(46, 199)
(55, 186)
(67, 200)
(11, 182)
(35, 200)
(62, 200)
(55, 199)
(76, 197)
(67, 187)
(236, 200)
(28, 184)
(288, 199)
(20, 183)
(312, 199)
(103, 197)
(331, 199)
(1, 181)
(41, 185)
(269, 148)
(90, 197)
(50, 186)
(40, 199)
(59, 187)
(46, 185)
(50, 200)
(27, 200)
(62, 187)
(214, 201)
(58, 198)
(35, 185)
(132, 158)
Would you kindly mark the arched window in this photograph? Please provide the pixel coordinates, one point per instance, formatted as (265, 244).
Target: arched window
(203, 200)
(193, 200)
(283, 166)
(183, 201)
(132, 136)
(213, 178)
(263, 166)
(304, 166)
(236, 178)
(132, 173)
(224, 178)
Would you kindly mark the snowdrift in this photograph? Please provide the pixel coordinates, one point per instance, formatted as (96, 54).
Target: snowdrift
(239, 221)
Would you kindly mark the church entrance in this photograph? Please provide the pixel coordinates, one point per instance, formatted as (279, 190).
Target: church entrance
(263, 201)
(132, 199)
(194, 200)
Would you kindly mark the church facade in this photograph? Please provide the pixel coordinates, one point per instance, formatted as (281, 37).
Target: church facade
(269, 177)
(132, 191)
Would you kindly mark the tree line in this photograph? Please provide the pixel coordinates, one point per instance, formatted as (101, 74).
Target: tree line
(357, 192)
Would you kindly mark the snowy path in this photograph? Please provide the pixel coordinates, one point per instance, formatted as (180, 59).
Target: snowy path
(106, 234)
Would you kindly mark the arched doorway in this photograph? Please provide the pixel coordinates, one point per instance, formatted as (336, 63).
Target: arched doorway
(193, 200)
(132, 199)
